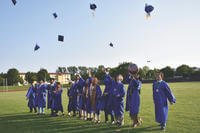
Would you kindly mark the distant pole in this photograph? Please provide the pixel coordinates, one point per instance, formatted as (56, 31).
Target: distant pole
(4, 88)
(6, 84)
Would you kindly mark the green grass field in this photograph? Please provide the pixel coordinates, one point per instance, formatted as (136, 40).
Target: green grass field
(184, 116)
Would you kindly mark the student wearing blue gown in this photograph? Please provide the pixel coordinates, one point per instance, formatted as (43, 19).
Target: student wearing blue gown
(88, 103)
(57, 100)
(41, 97)
(80, 82)
(118, 100)
(51, 87)
(95, 99)
(162, 93)
(107, 101)
(86, 99)
(72, 103)
(133, 98)
(31, 97)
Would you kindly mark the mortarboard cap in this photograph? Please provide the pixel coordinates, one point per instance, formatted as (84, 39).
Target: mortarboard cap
(93, 7)
(111, 45)
(14, 2)
(55, 15)
(36, 47)
(61, 38)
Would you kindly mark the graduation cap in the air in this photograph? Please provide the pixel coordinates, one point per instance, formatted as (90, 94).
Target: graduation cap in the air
(148, 61)
(111, 45)
(93, 7)
(36, 47)
(148, 9)
(55, 15)
(61, 38)
(14, 2)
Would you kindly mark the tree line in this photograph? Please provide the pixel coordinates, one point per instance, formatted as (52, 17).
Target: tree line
(181, 73)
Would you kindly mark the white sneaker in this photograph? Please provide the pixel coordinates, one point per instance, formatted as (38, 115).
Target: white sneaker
(113, 122)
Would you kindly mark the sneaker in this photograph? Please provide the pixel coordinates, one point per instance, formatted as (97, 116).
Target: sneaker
(113, 122)
(69, 114)
(162, 128)
(135, 125)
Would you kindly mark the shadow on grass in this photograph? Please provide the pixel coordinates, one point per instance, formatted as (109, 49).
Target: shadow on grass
(33, 123)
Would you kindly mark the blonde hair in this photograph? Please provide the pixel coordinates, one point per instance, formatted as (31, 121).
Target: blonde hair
(120, 77)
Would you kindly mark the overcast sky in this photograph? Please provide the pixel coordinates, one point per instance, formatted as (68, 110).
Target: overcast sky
(171, 37)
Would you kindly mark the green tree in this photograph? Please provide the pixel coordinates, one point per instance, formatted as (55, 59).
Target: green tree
(30, 77)
(168, 72)
(142, 73)
(72, 70)
(100, 73)
(151, 74)
(145, 70)
(13, 76)
(1, 80)
(43, 74)
(184, 70)
(196, 75)
(123, 69)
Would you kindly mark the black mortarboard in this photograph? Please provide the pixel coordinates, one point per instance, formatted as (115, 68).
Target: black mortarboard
(55, 15)
(61, 38)
(14, 2)
(148, 8)
(93, 6)
(111, 45)
(36, 47)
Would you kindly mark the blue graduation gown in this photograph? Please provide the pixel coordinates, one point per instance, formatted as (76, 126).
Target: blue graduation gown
(57, 100)
(162, 92)
(133, 97)
(31, 95)
(41, 96)
(72, 94)
(79, 87)
(107, 101)
(118, 94)
(50, 89)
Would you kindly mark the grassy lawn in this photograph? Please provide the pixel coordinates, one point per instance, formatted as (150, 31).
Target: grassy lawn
(11, 88)
(184, 116)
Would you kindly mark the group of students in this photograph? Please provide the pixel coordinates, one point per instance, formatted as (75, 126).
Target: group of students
(87, 99)
(37, 94)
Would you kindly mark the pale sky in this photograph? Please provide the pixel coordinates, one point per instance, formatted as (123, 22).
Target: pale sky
(170, 38)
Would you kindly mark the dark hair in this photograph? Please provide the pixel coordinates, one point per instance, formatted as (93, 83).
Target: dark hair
(58, 83)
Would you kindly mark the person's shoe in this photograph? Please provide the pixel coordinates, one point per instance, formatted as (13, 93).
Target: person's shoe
(162, 128)
(119, 124)
(69, 114)
(30, 111)
(135, 125)
(113, 122)
(98, 122)
(106, 122)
